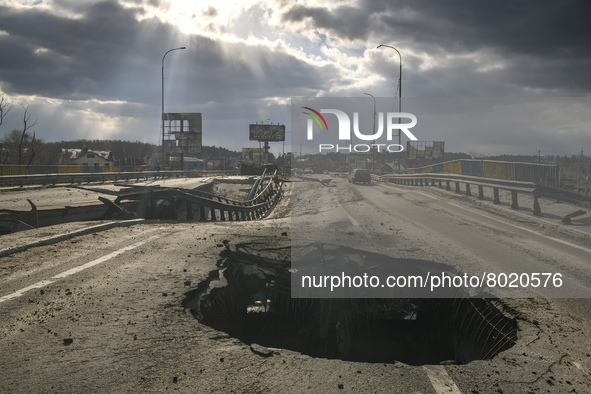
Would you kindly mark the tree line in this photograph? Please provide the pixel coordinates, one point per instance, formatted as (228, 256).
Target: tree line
(23, 147)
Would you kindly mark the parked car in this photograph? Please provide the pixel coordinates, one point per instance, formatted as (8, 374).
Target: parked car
(308, 171)
(360, 175)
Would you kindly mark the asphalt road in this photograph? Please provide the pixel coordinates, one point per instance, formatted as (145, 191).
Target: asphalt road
(104, 312)
(433, 226)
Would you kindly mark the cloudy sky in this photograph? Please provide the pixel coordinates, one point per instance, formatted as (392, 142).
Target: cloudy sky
(92, 69)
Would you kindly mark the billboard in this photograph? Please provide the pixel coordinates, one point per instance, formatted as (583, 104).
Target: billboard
(267, 132)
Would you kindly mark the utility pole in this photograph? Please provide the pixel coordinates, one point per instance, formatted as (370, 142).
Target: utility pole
(162, 115)
(374, 131)
(399, 98)
(587, 179)
(580, 173)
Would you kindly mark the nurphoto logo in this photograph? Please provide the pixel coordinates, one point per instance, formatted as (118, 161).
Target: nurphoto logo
(393, 122)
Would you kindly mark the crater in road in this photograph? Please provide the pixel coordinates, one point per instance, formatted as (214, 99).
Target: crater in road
(249, 297)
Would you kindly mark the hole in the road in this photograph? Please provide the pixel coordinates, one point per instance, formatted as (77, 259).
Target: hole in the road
(249, 298)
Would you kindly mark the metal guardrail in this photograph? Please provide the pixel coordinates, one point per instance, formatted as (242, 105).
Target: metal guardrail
(562, 195)
(209, 207)
(475, 180)
(52, 179)
(151, 202)
(515, 187)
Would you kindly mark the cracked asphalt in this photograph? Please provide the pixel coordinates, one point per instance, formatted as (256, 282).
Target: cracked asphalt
(103, 312)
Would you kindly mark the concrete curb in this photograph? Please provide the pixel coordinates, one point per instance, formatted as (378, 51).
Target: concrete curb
(72, 234)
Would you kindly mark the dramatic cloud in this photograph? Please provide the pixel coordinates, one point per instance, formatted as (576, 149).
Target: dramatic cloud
(92, 69)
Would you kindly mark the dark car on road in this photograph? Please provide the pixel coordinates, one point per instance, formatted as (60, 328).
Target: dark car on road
(360, 175)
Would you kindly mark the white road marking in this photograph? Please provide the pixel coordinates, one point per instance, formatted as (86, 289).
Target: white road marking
(507, 223)
(351, 219)
(440, 380)
(75, 270)
(524, 229)
(512, 211)
(22, 291)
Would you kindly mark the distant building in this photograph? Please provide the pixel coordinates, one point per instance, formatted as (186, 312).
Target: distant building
(86, 157)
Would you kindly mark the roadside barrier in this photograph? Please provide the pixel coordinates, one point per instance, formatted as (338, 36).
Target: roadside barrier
(515, 187)
(199, 205)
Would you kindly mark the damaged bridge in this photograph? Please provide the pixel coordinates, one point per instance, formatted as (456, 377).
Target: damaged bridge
(179, 204)
(142, 201)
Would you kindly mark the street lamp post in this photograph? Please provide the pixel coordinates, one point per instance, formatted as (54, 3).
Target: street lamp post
(399, 95)
(162, 116)
(374, 131)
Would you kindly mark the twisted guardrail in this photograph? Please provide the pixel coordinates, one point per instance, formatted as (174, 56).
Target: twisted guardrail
(199, 205)
(151, 202)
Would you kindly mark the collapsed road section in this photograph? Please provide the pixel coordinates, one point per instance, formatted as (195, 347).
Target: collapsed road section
(203, 203)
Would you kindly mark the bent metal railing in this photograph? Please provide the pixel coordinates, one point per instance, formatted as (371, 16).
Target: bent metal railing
(198, 205)
(515, 187)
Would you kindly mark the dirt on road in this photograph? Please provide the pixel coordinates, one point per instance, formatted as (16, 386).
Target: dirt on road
(130, 324)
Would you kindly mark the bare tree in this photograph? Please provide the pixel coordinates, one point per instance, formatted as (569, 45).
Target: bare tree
(18, 146)
(5, 108)
(26, 126)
